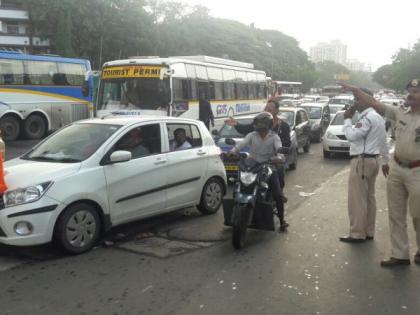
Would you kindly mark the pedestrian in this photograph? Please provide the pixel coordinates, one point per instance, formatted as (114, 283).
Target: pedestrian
(367, 143)
(403, 181)
(282, 129)
(205, 113)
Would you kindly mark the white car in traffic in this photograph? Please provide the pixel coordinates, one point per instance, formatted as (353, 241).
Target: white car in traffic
(99, 173)
(334, 140)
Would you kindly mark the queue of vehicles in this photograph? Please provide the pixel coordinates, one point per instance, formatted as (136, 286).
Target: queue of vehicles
(84, 179)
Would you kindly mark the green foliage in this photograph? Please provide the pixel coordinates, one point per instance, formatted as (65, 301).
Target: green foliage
(405, 66)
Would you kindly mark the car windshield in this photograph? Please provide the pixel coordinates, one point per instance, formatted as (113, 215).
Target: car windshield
(289, 115)
(72, 144)
(314, 112)
(339, 119)
(334, 109)
(230, 132)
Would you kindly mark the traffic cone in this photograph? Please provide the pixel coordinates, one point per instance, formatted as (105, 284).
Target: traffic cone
(3, 186)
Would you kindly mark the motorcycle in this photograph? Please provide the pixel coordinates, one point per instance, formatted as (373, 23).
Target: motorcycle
(252, 204)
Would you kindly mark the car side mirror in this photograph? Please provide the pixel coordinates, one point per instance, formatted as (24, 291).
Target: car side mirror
(230, 141)
(120, 156)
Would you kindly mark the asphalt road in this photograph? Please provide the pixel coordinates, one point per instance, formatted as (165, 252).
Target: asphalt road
(183, 263)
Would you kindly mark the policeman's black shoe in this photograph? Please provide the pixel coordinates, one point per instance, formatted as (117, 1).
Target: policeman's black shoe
(284, 198)
(283, 226)
(394, 262)
(369, 238)
(349, 239)
(417, 258)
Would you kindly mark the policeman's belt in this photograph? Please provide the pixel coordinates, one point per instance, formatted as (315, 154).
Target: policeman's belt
(407, 164)
(365, 155)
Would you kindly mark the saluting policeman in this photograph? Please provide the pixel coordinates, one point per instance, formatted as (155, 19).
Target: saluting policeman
(367, 143)
(403, 184)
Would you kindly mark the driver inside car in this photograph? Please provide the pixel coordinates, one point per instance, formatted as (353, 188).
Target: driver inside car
(264, 145)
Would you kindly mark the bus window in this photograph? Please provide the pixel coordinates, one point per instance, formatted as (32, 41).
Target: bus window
(74, 73)
(192, 90)
(40, 72)
(241, 91)
(11, 71)
(261, 91)
(216, 90)
(252, 91)
(180, 89)
(229, 90)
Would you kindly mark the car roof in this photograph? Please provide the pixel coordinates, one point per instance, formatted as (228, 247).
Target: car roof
(130, 120)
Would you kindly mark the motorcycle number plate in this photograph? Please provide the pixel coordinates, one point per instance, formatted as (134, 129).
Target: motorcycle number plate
(231, 167)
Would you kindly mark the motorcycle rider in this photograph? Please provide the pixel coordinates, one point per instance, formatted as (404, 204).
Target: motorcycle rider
(280, 126)
(264, 144)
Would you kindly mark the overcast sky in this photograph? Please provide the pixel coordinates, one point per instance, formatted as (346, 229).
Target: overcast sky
(373, 30)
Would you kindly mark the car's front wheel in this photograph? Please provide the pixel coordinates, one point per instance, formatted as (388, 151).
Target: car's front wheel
(78, 228)
(211, 196)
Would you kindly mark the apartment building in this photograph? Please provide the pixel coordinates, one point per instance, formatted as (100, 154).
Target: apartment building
(14, 30)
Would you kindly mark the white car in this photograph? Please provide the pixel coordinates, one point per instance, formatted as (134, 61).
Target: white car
(334, 140)
(99, 173)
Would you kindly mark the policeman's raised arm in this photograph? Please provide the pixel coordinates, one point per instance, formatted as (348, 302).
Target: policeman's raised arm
(364, 98)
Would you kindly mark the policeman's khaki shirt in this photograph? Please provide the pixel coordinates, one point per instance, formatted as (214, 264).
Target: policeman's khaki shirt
(407, 129)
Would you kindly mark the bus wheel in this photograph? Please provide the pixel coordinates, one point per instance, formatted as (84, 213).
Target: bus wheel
(10, 127)
(34, 127)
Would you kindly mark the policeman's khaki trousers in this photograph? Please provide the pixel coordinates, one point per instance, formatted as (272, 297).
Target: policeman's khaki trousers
(361, 196)
(403, 189)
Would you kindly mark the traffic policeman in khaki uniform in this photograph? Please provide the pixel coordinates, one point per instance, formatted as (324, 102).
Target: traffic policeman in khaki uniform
(367, 143)
(403, 184)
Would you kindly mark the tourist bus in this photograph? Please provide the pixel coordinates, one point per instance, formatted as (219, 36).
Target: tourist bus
(172, 86)
(40, 93)
(286, 89)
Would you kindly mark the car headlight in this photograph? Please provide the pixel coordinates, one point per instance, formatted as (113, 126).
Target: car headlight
(330, 135)
(248, 178)
(25, 195)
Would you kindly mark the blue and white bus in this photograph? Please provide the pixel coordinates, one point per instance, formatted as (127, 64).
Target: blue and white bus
(40, 93)
(172, 86)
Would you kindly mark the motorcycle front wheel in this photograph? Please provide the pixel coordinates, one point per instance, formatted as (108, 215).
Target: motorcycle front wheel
(239, 226)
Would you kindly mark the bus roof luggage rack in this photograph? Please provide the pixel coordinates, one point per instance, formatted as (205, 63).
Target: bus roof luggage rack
(216, 60)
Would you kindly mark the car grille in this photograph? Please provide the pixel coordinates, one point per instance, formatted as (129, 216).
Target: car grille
(342, 137)
(342, 149)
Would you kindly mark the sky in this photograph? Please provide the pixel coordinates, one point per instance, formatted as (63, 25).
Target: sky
(373, 30)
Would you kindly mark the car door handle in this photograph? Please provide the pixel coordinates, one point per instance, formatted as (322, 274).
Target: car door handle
(200, 152)
(159, 161)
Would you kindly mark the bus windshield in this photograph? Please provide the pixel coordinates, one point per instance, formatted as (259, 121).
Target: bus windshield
(134, 93)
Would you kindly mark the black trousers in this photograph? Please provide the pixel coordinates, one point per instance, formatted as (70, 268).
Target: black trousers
(276, 191)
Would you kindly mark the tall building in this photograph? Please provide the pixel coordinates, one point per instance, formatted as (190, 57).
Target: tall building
(356, 65)
(332, 51)
(14, 29)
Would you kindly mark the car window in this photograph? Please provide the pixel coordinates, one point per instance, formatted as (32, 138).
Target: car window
(314, 112)
(304, 115)
(183, 136)
(141, 141)
(289, 117)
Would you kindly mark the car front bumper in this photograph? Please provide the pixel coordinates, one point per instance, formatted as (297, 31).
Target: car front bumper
(41, 215)
(336, 145)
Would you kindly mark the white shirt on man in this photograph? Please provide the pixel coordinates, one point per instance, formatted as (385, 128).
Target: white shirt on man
(368, 135)
(183, 146)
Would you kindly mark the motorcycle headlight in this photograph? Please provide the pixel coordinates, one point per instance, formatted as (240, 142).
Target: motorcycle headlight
(25, 195)
(248, 178)
(330, 135)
